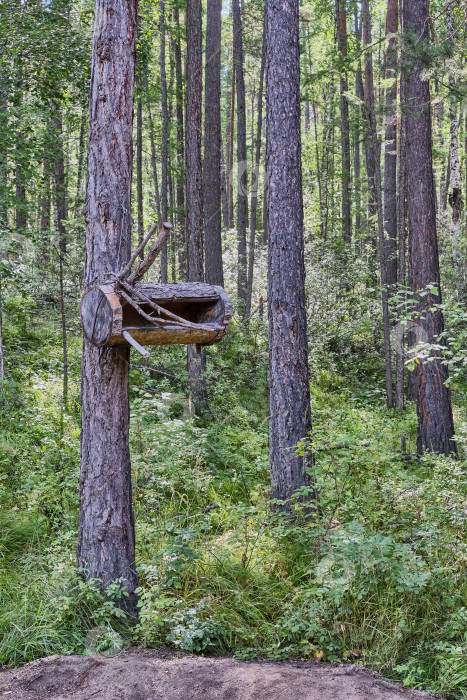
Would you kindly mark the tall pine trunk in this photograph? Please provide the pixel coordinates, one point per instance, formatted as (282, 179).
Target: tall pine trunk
(376, 188)
(62, 214)
(341, 21)
(212, 146)
(255, 179)
(290, 416)
(435, 422)
(401, 245)
(139, 170)
(242, 169)
(106, 536)
(389, 267)
(194, 186)
(165, 141)
(455, 191)
(180, 150)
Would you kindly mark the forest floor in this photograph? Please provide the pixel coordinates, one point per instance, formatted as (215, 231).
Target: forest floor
(146, 674)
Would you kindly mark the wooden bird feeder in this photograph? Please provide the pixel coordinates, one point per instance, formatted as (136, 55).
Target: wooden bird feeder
(123, 311)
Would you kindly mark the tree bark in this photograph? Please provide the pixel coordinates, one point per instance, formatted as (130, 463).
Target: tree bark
(139, 171)
(231, 142)
(255, 178)
(341, 22)
(455, 190)
(242, 167)
(194, 186)
(376, 187)
(180, 152)
(401, 239)
(390, 151)
(164, 144)
(106, 536)
(435, 422)
(290, 415)
(224, 189)
(212, 146)
(62, 214)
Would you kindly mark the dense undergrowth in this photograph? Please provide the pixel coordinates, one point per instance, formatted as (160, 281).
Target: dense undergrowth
(376, 575)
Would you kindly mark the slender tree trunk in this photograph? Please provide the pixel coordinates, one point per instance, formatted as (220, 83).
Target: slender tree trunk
(242, 168)
(157, 198)
(231, 142)
(194, 186)
(45, 208)
(62, 215)
(79, 177)
(164, 145)
(455, 191)
(224, 192)
(401, 235)
(255, 178)
(390, 152)
(341, 21)
(435, 422)
(180, 152)
(290, 415)
(139, 170)
(212, 146)
(106, 536)
(357, 132)
(376, 186)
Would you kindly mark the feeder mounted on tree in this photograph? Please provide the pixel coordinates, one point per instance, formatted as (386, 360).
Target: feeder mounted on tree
(123, 311)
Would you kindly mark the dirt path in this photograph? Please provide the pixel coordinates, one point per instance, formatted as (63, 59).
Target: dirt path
(152, 675)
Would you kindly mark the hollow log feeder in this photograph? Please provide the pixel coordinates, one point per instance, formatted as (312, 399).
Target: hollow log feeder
(125, 311)
(204, 312)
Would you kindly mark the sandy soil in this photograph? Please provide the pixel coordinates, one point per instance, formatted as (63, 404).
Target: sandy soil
(157, 675)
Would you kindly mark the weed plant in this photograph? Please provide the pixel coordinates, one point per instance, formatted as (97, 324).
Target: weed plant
(375, 575)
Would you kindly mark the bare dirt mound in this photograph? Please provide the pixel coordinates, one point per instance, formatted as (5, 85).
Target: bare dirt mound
(147, 675)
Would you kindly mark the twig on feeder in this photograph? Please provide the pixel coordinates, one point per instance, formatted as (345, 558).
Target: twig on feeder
(145, 264)
(134, 304)
(125, 270)
(159, 309)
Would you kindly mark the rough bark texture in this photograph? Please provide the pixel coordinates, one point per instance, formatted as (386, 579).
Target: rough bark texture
(376, 187)
(139, 170)
(106, 541)
(290, 418)
(194, 179)
(255, 179)
(389, 267)
(157, 199)
(212, 146)
(242, 169)
(180, 151)
(455, 191)
(435, 422)
(401, 244)
(194, 184)
(341, 22)
(164, 143)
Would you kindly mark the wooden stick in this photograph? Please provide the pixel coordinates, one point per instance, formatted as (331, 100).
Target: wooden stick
(153, 305)
(133, 303)
(145, 264)
(136, 345)
(125, 270)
